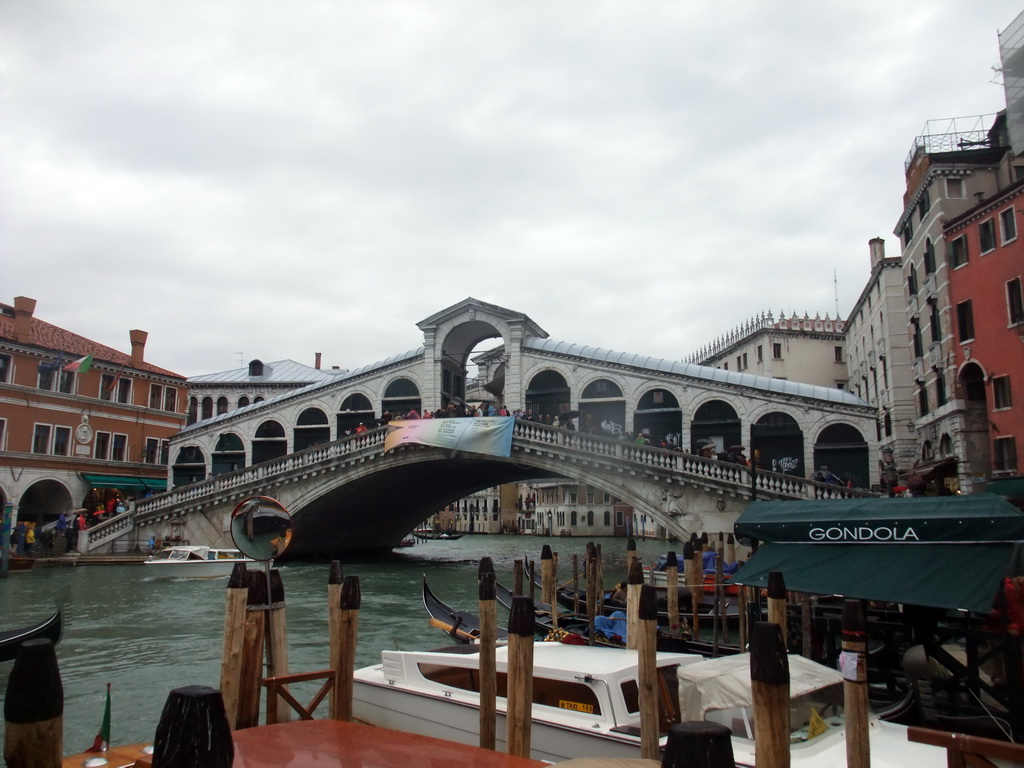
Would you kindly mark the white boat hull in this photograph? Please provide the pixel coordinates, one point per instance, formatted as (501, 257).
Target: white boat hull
(449, 718)
(200, 569)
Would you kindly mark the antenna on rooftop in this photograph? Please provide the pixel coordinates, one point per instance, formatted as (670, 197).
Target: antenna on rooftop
(241, 359)
(835, 280)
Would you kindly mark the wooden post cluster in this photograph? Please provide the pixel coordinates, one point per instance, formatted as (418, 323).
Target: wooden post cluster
(853, 663)
(34, 708)
(237, 599)
(769, 679)
(630, 554)
(634, 583)
(519, 715)
(344, 663)
(592, 601)
(488, 645)
(672, 589)
(777, 602)
(548, 585)
(517, 577)
(277, 642)
(690, 576)
(646, 634)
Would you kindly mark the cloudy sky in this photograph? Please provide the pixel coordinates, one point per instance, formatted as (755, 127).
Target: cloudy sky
(245, 178)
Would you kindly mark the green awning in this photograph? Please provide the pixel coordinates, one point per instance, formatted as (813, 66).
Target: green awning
(951, 576)
(122, 482)
(1007, 486)
(954, 519)
(945, 551)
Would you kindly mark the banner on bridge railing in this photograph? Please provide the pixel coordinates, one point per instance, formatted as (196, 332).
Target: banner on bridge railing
(491, 435)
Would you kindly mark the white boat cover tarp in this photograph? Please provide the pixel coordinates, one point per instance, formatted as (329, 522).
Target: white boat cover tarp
(724, 683)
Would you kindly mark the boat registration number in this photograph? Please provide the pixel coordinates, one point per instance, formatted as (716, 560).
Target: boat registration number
(576, 706)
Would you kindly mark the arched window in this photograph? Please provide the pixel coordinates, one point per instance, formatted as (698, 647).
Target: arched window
(222, 405)
(243, 401)
(607, 518)
(207, 408)
(255, 368)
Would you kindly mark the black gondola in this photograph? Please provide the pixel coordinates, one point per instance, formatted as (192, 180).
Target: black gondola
(11, 639)
(460, 625)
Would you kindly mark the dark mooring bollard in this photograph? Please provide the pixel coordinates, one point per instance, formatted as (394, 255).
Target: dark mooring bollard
(34, 708)
(698, 745)
(193, 730)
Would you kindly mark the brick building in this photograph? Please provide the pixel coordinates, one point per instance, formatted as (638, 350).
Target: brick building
(72, 439)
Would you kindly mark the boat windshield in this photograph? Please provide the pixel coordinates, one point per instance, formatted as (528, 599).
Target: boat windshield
(810, 715)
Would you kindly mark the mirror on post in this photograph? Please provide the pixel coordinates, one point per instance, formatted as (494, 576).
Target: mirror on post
(261, 527)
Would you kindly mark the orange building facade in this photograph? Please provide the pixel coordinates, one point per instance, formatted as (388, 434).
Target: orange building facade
(985, 250)
(75, 439)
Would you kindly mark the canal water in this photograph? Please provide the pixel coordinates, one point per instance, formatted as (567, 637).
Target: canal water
(146, 636)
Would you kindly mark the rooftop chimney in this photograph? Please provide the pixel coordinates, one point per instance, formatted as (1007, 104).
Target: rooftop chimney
(138, 346)
(318, 361)
(877, 247)
(23, 309)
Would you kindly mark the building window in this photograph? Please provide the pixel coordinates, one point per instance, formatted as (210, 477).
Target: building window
(922, 399)
(156, 395)
(760, 354)
(3, 434)
(1005, 454)
(101, 446)
(929, 257)
(120, 448)
(5, 369)
(106, 386)
(1001, 396)
(908, 232)
(777, 351)
(918, 342)
(940, 389)
(47, 377)
(965, 320)
(1014, 302)
(935, 324)
(61, 441)
(912, 281)
(955, 189)
(837, 353)
(923, 204)
(243, 401)
(987, 235)
(124, 390)
(41, 438)
(958, 252)
(170, 399)
(1008, 225)
(152, 451)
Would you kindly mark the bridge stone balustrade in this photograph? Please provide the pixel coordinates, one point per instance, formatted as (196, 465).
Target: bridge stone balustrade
(394, 491)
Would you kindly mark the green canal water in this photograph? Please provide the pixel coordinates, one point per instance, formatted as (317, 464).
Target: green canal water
(147, 637)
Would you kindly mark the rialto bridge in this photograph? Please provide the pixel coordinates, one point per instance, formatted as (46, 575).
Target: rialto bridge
(347, 493)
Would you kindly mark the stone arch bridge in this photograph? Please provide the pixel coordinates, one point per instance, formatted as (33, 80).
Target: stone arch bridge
(351, 495)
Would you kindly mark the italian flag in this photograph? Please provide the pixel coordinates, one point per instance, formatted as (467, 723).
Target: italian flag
(81, 365)
(102, 742)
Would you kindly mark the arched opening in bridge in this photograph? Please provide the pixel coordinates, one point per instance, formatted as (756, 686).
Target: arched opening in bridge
(717, 421)
(547, 394)
(311, 428)
(463, 343)
(355, 409)
(269, 442)
(659, 417)
(43, 501)
(228, 455)
(602, 408)
(189, 466)
(842, 450)
(401, 396)
(777, 444)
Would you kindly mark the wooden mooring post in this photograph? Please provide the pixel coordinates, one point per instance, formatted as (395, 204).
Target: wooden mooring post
(854, 666)
(34, 708)
(647, 670)
(769, 679)
(488, 645)
(344, 663)
(634, 584)
(519, 714)
(193, 730)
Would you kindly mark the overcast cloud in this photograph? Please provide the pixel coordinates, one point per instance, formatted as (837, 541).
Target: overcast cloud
(272, 180)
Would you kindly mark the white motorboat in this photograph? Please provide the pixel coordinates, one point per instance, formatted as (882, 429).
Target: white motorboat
(719, 690)
(585, 701)
(194, 562)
